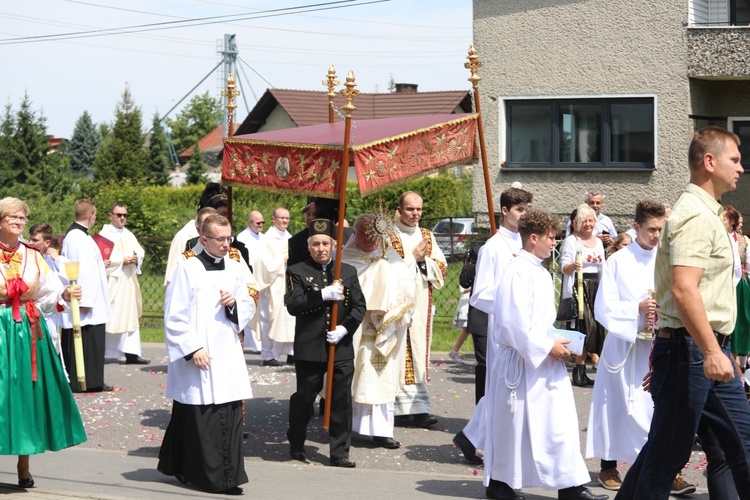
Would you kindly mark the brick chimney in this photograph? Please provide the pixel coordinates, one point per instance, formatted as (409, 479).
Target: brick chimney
(406, 88)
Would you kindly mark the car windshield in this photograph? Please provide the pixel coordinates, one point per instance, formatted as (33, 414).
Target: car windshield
(445, 227)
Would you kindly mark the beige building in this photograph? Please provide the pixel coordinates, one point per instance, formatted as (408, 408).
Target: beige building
(600, 93)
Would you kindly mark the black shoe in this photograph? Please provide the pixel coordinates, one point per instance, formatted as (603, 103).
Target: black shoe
(424, 420)
(272, 362)
(579, 372)
(290, 359)
(233, 491)
(589, 381)
(343, 462)
(582, 493)
(104, 388)
(403, 420)
(180, 477)
(322, 406)
(26, 482)
(134, 359)
(467, 448)
(299, 456)
(386, 442)
(501, 491)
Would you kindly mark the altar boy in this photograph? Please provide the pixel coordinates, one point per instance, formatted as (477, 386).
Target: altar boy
(530, 394)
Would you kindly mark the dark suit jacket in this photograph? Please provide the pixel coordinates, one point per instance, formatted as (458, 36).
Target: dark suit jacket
(298, 251)
(476, 323)
(304, 300)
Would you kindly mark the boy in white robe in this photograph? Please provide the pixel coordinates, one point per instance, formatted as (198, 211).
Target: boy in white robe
(492, 259)
(621, 410)
(532, 430)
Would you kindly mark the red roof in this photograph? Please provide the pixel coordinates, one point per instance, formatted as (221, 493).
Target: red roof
(307, 107)
(212, 140)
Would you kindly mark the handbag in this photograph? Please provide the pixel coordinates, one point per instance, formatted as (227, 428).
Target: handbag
(567, 309)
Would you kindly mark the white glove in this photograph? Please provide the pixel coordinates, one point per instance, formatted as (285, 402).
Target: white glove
(333, 292)
(335, 336)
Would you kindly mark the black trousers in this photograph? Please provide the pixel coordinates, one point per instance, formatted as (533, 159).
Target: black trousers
(310, 376)
(480, 371)
(93, 356)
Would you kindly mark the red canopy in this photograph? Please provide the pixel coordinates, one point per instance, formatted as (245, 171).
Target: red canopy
(307, 160)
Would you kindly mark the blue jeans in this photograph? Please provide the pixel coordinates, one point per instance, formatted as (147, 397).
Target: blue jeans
(682, 396)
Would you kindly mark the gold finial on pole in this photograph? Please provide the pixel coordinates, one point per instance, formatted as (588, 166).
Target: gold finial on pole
(349, 94)
(331, 82)
(230, 93)
(473, 64)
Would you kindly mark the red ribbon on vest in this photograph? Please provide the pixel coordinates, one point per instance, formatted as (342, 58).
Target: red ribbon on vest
(36, 331)
(16, 288)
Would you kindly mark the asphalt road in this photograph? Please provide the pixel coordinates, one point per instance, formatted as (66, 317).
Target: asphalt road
(126, 427)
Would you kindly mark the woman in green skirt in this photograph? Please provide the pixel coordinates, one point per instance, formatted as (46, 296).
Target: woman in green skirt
(37, 409)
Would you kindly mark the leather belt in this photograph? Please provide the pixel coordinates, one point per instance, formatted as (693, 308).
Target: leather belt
(671, 333)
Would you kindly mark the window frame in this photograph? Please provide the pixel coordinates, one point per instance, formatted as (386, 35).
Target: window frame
(605, 100)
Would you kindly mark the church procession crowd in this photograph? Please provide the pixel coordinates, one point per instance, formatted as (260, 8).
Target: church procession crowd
(660, 311)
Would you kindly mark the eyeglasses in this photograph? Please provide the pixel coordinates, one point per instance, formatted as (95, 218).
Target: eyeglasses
(17, 218)
(119, 215)
(225, 239)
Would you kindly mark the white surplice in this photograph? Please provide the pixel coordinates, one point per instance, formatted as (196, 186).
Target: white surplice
(79, 246)
(532, 434)
(621, 411)
(269, 267)
(123, 331)
(492, 259)
(389, 292)
(187, 233)
(194, 319)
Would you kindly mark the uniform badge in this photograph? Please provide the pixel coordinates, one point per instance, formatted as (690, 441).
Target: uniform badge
(310, 279)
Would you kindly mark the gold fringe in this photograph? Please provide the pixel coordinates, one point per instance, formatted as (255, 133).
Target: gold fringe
(412, 133)
(409, 377)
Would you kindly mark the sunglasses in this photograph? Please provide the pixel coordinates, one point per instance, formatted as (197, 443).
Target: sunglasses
(121, 215)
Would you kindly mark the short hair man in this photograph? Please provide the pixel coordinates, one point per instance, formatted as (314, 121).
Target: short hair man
(389, 290)
(207, 302)
(95, 302)
(252, 235)
(123, 268)
(695, 291)
(310, 294)
(276, 325)
(417, 246)
(494, 256)
(525, 366)
(604, 229)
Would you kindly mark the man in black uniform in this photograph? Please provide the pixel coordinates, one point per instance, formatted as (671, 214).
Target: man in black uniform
(317, 208)
(310, 294)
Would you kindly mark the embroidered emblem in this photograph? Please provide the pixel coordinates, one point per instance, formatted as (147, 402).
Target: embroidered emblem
(188, 253)
(379, 362)
(282, 167)
(320, 226)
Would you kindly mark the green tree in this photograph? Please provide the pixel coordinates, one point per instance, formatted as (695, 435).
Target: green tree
(122, 155)
(158, 165)
(197, 168)
(83, 145)
(7, 151)
(31, 145)
(201, 115)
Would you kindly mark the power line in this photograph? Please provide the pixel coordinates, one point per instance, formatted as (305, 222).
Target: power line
(186, 23)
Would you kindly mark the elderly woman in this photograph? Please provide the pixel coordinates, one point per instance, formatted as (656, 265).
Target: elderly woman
(591, 250)
(37, 409)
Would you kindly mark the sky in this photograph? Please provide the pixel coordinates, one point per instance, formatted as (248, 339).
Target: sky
(72, 56)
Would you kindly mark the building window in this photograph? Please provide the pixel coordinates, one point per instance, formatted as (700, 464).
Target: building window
(719, 12)
(580, 133)
(741, 127)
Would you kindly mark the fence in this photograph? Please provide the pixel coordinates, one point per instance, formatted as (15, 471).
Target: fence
(445, 299)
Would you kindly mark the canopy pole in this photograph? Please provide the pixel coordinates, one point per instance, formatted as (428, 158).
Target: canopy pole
(349, 94)
(473, 64)
(230, 93)
(331, 83)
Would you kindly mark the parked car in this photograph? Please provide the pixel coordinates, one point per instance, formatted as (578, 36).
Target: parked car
(451, 235)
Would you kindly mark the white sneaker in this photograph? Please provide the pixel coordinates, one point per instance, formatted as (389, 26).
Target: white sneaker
(456, 357)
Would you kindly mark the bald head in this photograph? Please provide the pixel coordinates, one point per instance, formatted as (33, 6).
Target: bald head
(410, 208)
(255, 221)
